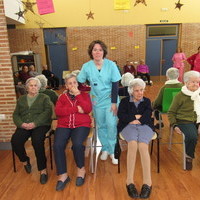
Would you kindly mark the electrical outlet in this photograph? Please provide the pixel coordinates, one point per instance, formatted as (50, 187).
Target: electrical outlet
(2, 116)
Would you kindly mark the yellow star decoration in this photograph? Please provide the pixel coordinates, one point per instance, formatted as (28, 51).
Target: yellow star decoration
(140, 1)
(20, 14)
(34, 38)
(179, 5)
(39, 23)
(90, 15)
(29, 6)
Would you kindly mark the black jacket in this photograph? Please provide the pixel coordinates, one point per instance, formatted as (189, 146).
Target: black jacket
(127, 111)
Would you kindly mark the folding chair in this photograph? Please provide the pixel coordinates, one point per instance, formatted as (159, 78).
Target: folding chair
(155, 137)
(48, 136)
(168, 96)
(183, 142)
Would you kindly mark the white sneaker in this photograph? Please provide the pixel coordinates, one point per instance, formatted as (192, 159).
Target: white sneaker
(114, 161)
(104, 155)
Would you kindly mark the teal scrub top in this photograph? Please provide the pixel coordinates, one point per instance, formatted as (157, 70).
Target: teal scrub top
(100, 81)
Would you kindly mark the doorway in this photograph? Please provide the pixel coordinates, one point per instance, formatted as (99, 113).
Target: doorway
(161, 44)
(56, 50)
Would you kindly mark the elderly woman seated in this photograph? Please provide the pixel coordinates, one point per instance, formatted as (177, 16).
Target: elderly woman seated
(172, 75)
(184, 113)
(32, 116)
(136, 127)
(72, 110)
(126, 79)
(51, 93)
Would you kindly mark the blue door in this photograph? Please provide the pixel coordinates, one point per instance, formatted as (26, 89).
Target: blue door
(168, 50)
(161, 44)
(58, 61)
(56, 50)
(153, 55)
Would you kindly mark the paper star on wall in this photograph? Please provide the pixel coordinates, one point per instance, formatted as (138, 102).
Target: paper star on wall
(20, 14)
(34, 38)
(140, 1)
(29, 6)
(90, 15)
(179, 5)
(40, 24)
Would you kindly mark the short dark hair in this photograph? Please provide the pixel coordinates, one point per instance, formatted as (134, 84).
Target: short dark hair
(102, 44)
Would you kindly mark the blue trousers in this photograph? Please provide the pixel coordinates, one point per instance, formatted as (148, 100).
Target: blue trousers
(37, 135)
(191, 135)
(106, 124)
(78, 136)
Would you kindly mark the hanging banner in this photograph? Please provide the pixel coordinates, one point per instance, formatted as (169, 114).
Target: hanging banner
(45, 6)
(122, 4)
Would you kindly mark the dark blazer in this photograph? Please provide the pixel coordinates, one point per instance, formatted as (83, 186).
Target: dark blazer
(127, 111)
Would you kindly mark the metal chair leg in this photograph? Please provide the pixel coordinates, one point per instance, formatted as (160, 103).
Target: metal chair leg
(184, 157)
(14, 164)
(50, 149)
(158, 155)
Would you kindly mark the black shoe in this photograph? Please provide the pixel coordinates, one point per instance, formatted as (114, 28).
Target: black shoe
(145, 191)
(157, 126)
(28, 167)
(188, 164)
(80, 181)
(43, 178)
(132, 191)
(61, 185)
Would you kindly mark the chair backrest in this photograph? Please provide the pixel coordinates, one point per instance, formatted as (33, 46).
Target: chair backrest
(168, 96)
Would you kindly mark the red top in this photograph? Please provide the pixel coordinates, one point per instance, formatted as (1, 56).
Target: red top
(191, 60)
(67, 112)
(130, 69)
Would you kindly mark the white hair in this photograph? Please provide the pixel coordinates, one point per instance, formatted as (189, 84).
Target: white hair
(43, 80)
(126, 78)
(134, 83)
(172, 73)
(189, 74)
(35, 79)
(68, 76)
(76, 72)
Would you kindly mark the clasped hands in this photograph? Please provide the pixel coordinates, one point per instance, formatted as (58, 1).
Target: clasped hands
(28, 126)
(136, 121)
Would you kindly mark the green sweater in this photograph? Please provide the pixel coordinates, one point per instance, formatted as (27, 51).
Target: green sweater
(157, 104)
(39, 113)
(52, 94)
(181, 110)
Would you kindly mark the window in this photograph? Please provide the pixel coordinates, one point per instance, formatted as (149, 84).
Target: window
(162, 31)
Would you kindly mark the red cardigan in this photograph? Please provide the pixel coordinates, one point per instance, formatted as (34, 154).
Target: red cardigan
(191, 60)
(67, 112)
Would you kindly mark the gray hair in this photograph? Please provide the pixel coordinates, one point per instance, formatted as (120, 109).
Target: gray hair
(43, 80)
(189, 74)
(172, 73)
(35, 79)
(134, 83)
(68, 76)
(126, 78)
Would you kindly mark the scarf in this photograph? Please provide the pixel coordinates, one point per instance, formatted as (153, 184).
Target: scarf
(194, 97)
(172, 81)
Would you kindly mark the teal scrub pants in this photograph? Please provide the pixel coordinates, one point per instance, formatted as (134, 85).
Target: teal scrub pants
(106, 124)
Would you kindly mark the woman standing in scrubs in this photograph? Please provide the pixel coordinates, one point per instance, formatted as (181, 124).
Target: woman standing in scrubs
(178, 59)
(103, 76)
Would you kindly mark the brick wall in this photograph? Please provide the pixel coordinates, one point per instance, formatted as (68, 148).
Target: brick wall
(21, 40)
(129, 43)
(7, 92)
